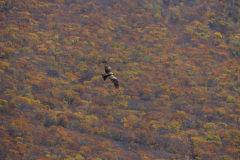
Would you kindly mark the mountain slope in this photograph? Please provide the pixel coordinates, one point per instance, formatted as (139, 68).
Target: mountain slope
(178, 68)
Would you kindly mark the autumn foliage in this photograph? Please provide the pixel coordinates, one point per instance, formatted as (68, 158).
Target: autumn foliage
(178, 66)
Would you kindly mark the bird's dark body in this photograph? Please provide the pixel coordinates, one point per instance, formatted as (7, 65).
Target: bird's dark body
(109, 74)
(105, 76)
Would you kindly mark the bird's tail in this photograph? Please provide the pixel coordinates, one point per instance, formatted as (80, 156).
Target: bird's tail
(105, 76)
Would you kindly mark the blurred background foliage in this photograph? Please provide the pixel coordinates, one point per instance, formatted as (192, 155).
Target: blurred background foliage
(177, 62)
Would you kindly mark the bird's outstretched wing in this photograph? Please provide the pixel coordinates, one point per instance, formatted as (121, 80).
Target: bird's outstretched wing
(114, 80)
(106, 66)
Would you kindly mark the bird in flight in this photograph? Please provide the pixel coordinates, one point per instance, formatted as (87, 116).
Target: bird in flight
(109, 74)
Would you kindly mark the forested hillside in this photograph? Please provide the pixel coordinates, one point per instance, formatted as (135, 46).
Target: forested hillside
(178, 66)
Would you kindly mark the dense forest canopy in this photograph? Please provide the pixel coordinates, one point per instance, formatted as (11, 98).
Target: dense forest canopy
(178, 66)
